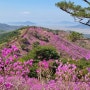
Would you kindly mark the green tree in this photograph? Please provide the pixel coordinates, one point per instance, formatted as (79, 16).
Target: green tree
(81, 14)
(40, 53)
(44, 52)
(75, 36)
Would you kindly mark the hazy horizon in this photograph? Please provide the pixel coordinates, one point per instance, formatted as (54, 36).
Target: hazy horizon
(41, 12)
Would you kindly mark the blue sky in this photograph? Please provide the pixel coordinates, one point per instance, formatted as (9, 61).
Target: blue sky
(37, 11)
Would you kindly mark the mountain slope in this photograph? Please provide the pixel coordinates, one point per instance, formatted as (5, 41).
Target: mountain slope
(32, 35)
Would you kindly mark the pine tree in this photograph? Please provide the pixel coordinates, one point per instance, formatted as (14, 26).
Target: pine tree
(81, 14)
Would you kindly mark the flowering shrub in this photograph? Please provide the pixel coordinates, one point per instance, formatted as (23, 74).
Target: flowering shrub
(66, 72)
(9, 64)
(14, 74)
(20, 83)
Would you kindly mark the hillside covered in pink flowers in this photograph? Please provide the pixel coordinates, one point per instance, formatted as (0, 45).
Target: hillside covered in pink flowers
(43, 59)
(43, 36)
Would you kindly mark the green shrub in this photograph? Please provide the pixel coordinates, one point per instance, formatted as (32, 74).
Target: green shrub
(35, 44)
(40, 53)
(44, 52)
(33, 72)
(75, 36)
(81, 64)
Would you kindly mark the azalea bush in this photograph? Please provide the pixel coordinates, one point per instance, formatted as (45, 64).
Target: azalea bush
(9, 64)
(50, 74)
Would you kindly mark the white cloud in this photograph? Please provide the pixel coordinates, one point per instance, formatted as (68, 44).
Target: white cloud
(25, 13)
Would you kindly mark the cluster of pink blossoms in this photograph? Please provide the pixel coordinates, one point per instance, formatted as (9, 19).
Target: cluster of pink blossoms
(14, 74)
(9, 64)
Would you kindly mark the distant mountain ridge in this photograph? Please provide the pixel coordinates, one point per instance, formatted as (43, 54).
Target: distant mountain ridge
(70, 24)
(80, 26)
(6, 27)
(26, 23)
(63, 25)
